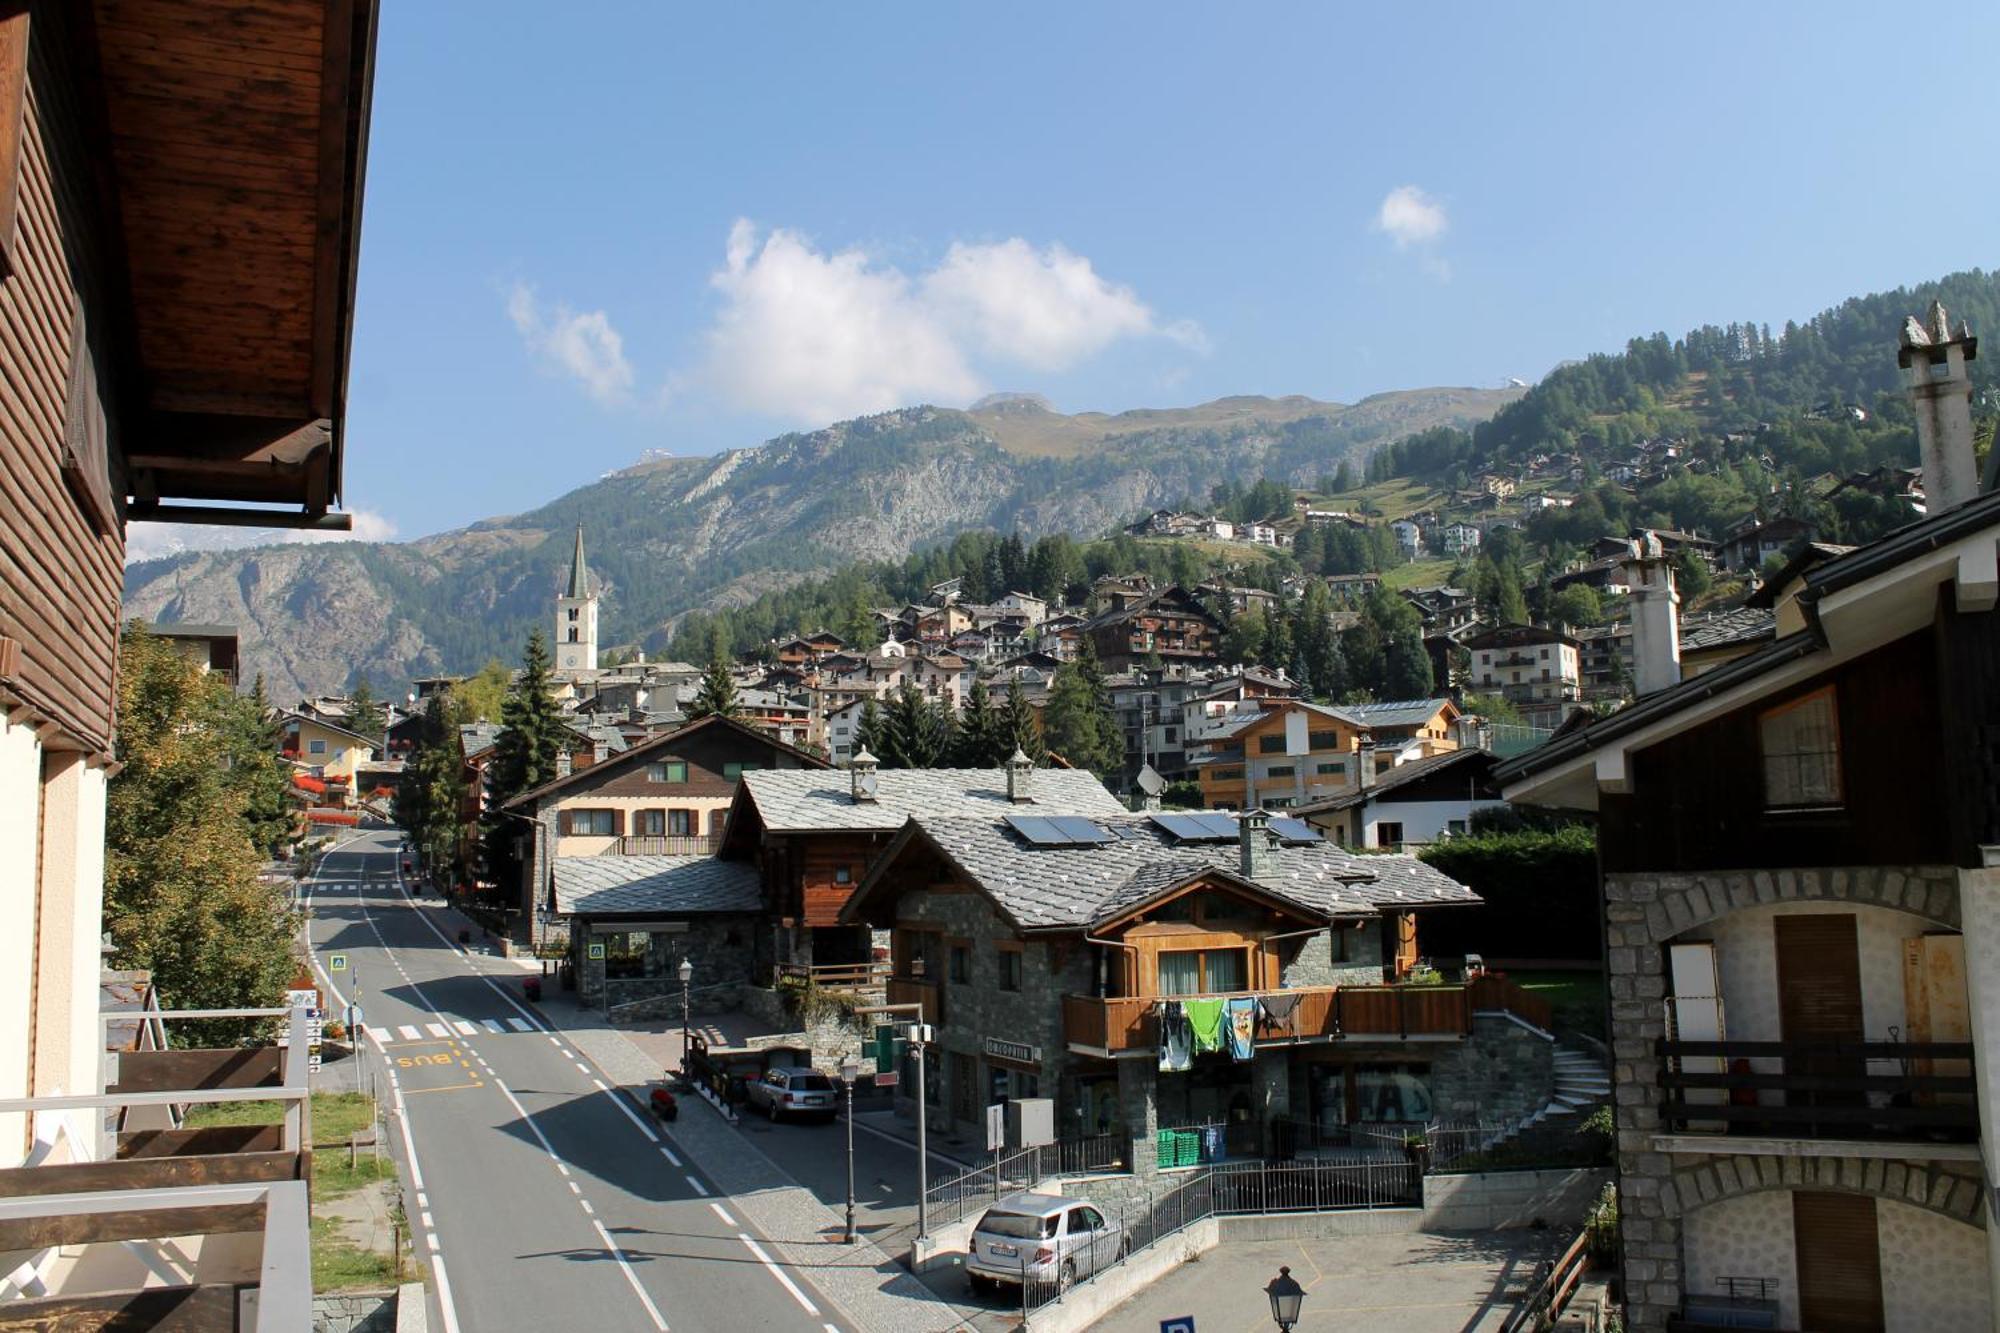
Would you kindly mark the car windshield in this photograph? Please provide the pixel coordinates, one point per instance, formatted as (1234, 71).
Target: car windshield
(812, 1082)
(1022, 1226)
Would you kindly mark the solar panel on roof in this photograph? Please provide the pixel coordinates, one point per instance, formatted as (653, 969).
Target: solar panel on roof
(1036, 829)
(1079, 830)
(1058, 830)
(1129, 832)
(1218, 824)
(1294, 830)
(1205, 826)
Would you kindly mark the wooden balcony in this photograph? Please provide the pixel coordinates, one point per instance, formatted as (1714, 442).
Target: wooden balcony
(845, 977)
(1357, 1013)
(908, 990)
(1902, 1091)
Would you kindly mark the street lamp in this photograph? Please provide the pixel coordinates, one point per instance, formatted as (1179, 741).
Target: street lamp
(687, 975)
(850, 1065)
(917, 1032)
(1286, 1298)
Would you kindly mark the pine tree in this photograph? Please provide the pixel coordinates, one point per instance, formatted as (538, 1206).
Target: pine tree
(716, 696)
(1017, 729)
(366, 715)
(1079, 721)
(868, 730)
(914, 731)
(976, 742)
(524, 756)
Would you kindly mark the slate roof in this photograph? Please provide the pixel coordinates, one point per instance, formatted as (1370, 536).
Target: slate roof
(1043, 887)
(807, 801)
(1742, 625)
(1396, 712)
(1390, 781)
(636, 885)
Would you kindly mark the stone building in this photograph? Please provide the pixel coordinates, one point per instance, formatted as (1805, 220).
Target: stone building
(633, 919)
(1802, 911)
(1043, 951)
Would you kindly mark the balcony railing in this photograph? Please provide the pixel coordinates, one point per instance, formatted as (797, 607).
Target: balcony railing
(652, 844)
(1820, 1089)
(1362, 1013)
(847, 977)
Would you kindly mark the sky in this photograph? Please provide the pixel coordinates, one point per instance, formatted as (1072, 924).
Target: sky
(647, 226)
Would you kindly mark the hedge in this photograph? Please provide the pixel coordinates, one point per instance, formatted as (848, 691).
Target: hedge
(1540, 892)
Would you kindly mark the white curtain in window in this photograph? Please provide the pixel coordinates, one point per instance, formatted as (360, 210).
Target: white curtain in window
(1180, 972)
(1226, 971)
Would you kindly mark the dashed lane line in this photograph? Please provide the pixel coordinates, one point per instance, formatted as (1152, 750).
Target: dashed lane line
(779, 1273)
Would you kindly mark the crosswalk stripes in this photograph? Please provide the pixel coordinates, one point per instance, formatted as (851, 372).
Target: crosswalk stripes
(465, 1029)
(520, 1025)
(408, 1033)
(437, 1029)
(491, 1025)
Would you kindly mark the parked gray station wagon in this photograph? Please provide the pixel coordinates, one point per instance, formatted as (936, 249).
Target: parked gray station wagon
(1042, 1238)
(793, 1090)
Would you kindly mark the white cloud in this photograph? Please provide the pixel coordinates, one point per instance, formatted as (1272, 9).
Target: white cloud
(1411, 217)
(149, 541)
(582, 345)
(817, 336)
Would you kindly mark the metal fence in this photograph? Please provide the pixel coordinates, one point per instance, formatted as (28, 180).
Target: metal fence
(948, 1201)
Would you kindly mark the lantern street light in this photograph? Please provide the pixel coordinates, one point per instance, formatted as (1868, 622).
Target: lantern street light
(687, 975)
(850, 1066)
(1286, 1298)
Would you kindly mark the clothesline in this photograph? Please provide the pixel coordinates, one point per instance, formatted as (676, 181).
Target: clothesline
(1198, 1025)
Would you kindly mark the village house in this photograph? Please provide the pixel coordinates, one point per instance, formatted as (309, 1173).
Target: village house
(1168, 624)
(329, 752)
(1798, 852)
(1409, 537)
(1460, 539)
(1285, 754)
(814, 835)
(1538, 670)
(667, 797)
(213, 648)
(1053, 955)
(1405, 729)
(1748, 545)
(1411, 804)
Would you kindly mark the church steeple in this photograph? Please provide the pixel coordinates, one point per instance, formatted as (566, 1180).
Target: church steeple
(579, 577)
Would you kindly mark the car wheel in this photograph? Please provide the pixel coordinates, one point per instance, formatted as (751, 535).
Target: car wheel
(771, 1110)
(1067, 1278)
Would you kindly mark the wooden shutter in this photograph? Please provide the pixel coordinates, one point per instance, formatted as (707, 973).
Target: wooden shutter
(562, 823)
(617, 823)
(1839, 1261)
(1819, 999)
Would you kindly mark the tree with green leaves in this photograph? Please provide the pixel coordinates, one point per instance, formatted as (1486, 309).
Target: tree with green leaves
(1576, 607)
(431, 798)
(366, 715)
(868, 729)
(533, 734)
(182, 895)
(915, 732)
(481, 695)
(977, 743)
(1017, 728)
(1079, 723)
(716, 695)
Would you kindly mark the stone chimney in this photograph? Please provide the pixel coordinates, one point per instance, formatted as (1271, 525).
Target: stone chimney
(564, 765)
(1364, 764)
(1256, 849)
(1020, 777)
(1940, 388)
(1656, 616)
(861, 777)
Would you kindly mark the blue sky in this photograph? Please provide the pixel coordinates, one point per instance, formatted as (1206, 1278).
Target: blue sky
(657, 226)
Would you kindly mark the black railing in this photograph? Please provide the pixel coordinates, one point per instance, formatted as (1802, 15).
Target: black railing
(1823, 1089)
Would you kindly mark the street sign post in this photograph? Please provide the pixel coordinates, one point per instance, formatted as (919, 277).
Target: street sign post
(336, 962)
(1184, 1324)
(996, 1127)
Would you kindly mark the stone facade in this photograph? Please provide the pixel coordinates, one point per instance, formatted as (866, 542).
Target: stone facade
(723, 948)
(1643, 912)
(355, 1312)
(1501, 1074)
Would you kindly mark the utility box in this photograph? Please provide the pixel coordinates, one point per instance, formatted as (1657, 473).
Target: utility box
(1031, 1121)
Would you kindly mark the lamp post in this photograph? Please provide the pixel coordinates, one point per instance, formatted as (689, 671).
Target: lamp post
(917, 1030)
(687, 975)
(850, 1066)
(1286, 1298)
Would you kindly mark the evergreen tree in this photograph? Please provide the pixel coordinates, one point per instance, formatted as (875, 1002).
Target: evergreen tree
(1079, 721)
(1017, 729)
(524, 756)
(716, 696)
(432, 795)
(868, 730)
(977, 741)
(915, 732)
(366, 714)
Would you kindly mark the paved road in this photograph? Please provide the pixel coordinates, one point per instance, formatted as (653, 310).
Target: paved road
(542, 1199)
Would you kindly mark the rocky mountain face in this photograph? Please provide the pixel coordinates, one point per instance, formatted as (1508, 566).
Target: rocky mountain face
(673, 534)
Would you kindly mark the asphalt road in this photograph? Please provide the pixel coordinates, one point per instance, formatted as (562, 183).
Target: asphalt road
(540, 1197)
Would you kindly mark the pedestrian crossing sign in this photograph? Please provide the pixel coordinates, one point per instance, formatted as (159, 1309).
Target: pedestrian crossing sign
(336, 962)
(596, 953)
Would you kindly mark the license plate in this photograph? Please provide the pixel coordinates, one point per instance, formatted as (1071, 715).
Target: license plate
(1008, 1250)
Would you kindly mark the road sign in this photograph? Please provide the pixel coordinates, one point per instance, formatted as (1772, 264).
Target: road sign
(886, 1080)
(336, 962)
(1185, 1324)
(996, 1127)
(596, 953)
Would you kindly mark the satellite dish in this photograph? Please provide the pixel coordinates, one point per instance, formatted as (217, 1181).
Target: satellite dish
(1149, 781)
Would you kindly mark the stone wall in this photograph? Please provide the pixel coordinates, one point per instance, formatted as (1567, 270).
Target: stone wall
(722, 949)
(1643, 912)
(1502, 1073)
(1496, 1200)
(1360, 963)
(355, 1312)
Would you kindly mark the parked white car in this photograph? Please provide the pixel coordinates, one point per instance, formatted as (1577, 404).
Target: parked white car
(1042, 1239)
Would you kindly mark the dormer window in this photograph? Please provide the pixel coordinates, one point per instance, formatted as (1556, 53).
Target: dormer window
(1801, 745)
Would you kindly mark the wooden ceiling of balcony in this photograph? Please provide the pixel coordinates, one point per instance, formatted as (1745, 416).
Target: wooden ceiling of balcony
(236, 141)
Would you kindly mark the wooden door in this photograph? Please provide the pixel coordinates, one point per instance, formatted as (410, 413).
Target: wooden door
(1819, 999)
(1839, 1262)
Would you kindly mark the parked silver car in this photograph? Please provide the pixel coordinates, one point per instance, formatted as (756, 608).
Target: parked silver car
(793, 1090)
(1042, 1238)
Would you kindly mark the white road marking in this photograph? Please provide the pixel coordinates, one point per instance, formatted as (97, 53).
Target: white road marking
(465, 1029)
(426, 1220)
(585, 1205)
(423, 1200)
(408, 1033)
(555, 1043)
(670, 1154)
(600, 1085)
(409, 1144)
(630, 1114)
(778, 1273)
(519, 1025)
(444, 1294)
(696, 1186)
(630, 1276)
(433, 1242)
(491, 1025)
(437, 1029)
(723, 1213)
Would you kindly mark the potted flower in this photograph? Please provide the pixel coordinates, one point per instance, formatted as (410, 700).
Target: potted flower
(1417, 1148)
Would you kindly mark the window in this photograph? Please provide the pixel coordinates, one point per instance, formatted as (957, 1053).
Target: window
(1801, 743)
(1281, 770)
(673, 770)
(1228, 775)
(1389, 833)
(627, 954)
(1010, 969)
(593, 823)
(1202, 971)
(1270, 745)
(961, 964)
(315, 747)
(718, 821)
(683, 823)
(572, 634)
(735, 771)
(843, 874)
(1397, 1094)
(1455, 827)
(572, 613)
(1336, 769)
(1323, 740)
(652, 823)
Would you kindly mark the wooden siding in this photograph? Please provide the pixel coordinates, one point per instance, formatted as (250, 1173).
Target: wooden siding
(1697, 799)
(819, 858)
(1968, 695)
(60, 575)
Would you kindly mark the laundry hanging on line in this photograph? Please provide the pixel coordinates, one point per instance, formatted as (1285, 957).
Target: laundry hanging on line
(1241, 1026)
(1205, 1017)
(1176, 1038)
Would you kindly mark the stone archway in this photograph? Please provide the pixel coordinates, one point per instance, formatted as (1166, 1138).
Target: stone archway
(1944, 1188)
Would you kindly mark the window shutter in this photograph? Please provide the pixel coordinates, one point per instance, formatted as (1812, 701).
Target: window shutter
(562, 823)
(617, 823)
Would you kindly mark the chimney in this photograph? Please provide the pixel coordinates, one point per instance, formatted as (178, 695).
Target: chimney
(1020, 777)
(861, 777)
(564, 766)
(1656, 617)
(1364, 764)
(1256, 849)
(1940, 389)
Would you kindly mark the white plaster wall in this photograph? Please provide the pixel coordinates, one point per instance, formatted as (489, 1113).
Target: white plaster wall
(1934, 1271)
(20, 820)
(1746, 1236)
(573, 845)
(68, 1043)
(1422, 821)
(1746, 959)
